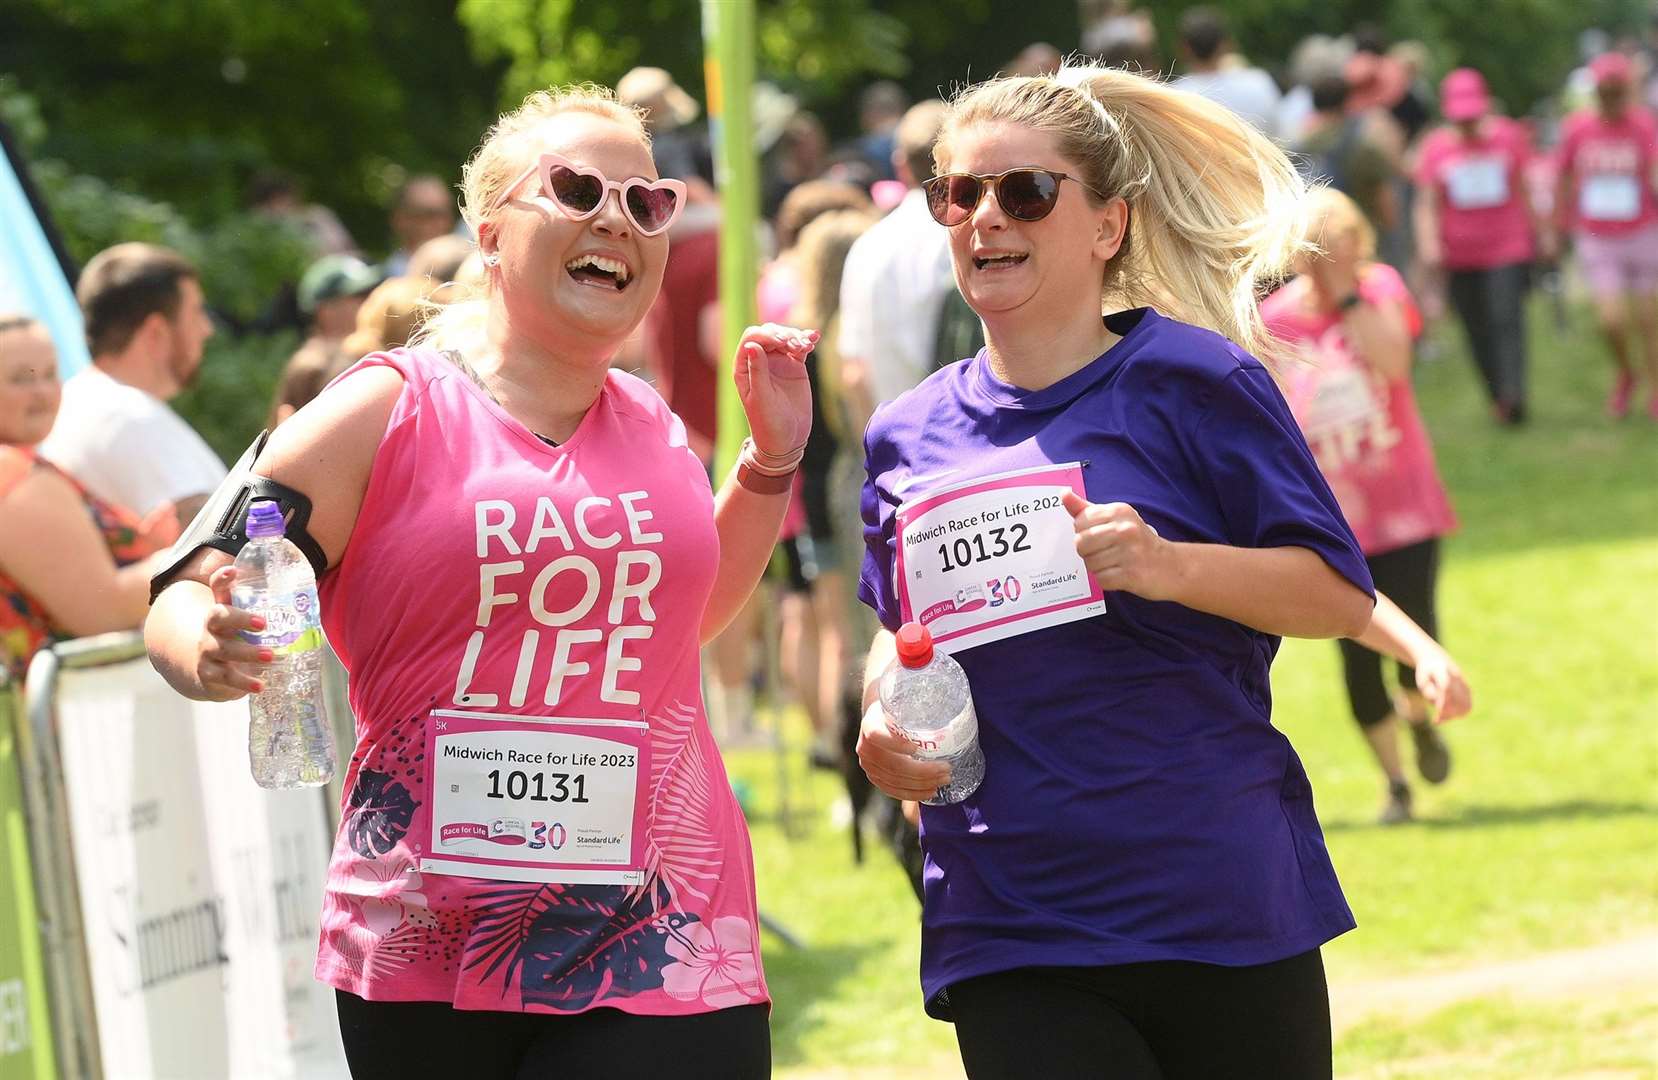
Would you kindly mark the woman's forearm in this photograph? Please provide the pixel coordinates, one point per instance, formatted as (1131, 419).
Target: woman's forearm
(1287, 591)
(748, 524)
(1393, 633)
(172, 635)
(882, 651)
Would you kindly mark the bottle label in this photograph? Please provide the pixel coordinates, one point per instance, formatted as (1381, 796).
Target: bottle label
(946, 742)
(291, 621)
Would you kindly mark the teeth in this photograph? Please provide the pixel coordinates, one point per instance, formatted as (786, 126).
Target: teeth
(599, 262)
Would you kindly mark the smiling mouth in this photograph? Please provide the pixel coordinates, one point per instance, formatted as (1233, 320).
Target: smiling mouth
(998, 261)
(598, 270)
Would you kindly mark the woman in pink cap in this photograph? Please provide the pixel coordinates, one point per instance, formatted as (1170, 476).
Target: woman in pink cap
(1607, 203)
(1475, 220)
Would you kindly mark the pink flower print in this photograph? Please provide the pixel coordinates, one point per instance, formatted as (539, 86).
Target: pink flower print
(390, 895)
(717, 966)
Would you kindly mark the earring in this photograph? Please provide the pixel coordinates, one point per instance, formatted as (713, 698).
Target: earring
(492, 260)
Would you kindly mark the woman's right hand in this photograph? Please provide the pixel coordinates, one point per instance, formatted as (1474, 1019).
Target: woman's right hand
(890, 762)
(227, 666)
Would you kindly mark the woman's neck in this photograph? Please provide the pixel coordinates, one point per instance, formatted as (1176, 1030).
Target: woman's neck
(547, 389)
(1033, 354)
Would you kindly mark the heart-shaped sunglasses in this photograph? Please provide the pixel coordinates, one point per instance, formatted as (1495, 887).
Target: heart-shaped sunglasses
(580, 192)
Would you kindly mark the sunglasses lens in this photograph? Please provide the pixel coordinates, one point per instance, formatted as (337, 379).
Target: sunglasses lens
(1028, 195)
(952, 199)
(651, 208)
(579, 192)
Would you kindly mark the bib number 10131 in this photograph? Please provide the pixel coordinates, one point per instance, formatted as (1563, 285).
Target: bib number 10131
(518, 785)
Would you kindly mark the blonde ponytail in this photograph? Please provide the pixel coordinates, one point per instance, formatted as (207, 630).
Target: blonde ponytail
(462, 323)
(1216, 210)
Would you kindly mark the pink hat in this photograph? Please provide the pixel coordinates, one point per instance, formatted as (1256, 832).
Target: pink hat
(1462, 96)
(1611, 67)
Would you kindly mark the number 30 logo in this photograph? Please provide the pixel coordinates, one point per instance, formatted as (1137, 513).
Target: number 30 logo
(1004, 590)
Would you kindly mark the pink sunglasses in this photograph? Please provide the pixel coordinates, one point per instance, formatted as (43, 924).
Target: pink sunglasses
(580, 192)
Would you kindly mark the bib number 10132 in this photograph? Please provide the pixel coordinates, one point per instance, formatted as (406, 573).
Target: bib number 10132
(968, 550)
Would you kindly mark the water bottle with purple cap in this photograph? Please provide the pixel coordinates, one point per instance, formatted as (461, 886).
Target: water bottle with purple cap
(290, 739)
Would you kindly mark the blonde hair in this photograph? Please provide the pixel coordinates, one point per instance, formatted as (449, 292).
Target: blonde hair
(823, 246)
(1215, 209)
(460, 324)
(1330, 213)
(390, 315)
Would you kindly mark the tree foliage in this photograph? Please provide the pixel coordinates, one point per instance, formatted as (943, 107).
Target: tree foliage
(183, 100)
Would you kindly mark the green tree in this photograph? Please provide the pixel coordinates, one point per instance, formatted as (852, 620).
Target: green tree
(182, 100)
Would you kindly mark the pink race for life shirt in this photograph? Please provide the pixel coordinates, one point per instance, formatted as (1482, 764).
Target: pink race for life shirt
(1364, 430)
(1479, 188)
(491, 580)
(1611, 165)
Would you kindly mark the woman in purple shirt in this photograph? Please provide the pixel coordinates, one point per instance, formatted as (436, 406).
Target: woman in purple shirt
(1111, 523)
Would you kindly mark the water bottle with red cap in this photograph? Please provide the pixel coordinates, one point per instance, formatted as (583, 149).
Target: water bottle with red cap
(928, 703)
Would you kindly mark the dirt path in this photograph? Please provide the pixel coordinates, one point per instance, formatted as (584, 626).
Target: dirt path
(1613, 968)
(1628, 966)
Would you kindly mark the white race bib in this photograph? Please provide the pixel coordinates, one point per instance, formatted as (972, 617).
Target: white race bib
(1344, 397)
(994, 558)
(1477, 183)
(1610, 197)
(524, 798)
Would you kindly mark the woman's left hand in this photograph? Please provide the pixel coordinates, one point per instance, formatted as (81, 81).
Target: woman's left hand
(1121, 551)
(1441, 681)
(770, 370)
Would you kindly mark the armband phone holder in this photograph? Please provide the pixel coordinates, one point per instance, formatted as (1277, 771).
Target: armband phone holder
(223, 523)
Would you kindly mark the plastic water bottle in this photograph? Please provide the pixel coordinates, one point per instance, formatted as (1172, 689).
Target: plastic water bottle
(290, 739)
(925, 696)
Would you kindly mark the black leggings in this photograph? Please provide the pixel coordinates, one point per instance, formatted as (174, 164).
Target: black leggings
(1408, 577)
(1166, 1020)
(410, 1040)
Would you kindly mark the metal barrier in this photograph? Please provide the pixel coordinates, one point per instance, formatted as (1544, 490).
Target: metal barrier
(178, 901)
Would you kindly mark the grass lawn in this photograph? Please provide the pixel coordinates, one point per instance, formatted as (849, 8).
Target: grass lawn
(1544, 837)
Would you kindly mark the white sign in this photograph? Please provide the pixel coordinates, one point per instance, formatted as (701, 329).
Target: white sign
(993, 558)
(1610, 197)
(523, 798)
(1477, 183)
(199, 890)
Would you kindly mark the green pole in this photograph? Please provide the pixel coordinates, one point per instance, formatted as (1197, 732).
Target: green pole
(728, 67)
(26, 1051)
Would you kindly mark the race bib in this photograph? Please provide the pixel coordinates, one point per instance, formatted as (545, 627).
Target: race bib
(538, 799)
(1610, 197)
(1344, 398)
(994, 558)
(1477, 183)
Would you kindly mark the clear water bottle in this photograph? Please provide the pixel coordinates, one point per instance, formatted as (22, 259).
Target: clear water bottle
(925, 696)
(290, 739)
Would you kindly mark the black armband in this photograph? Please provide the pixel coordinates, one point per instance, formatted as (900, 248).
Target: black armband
(223, 523)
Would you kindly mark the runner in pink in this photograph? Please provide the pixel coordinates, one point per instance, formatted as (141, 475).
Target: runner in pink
(562, 581)
(1354, 324)
(1474, 220)
(1608, 204)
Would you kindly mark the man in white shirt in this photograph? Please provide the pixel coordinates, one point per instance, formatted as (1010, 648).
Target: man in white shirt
(1220, 75)
(145, 325)
(895, 279)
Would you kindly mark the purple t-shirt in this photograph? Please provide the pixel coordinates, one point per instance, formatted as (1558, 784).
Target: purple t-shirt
(1137, 804)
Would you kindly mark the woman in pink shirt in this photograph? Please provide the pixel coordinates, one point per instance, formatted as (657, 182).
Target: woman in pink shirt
(1608, 204)
(541, 869)
(1353, 321)
(1474, 219)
